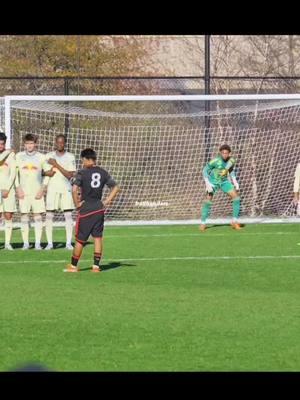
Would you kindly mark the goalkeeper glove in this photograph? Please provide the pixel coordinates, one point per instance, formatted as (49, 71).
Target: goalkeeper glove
(209, 186)
(224, 172)
(235, 184)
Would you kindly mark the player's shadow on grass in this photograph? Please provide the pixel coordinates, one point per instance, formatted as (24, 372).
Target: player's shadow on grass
(221, 226)
(56, 245)
(110, 265)
(215, 226)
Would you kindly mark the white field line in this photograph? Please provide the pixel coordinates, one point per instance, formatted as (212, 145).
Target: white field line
(200, 234)
(199, 258)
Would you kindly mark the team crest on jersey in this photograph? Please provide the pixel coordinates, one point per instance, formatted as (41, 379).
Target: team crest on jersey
(30, 167)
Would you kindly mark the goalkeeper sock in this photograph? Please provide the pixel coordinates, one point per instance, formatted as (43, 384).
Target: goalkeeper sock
(97, 259)
(236, 204)
(69, 226)
(49, 227)
(205, 211)
(25, 228)
(8, 230)
(38, 228)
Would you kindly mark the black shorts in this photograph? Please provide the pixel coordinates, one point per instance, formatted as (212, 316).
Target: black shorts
(89, 224)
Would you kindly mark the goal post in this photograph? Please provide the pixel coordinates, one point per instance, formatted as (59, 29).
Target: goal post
(155, 147)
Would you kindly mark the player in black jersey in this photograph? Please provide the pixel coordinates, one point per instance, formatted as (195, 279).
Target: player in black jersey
(90, 219)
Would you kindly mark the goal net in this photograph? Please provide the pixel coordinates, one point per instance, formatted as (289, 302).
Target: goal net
(156, 147)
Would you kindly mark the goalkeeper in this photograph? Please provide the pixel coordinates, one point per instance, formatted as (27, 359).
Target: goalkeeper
(218, 174)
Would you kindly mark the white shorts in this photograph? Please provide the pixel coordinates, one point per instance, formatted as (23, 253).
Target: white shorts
(8, 204)
(59, 201)
(30, 203)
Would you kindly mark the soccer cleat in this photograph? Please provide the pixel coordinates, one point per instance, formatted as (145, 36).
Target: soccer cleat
(95, 268)
(8, 247)
(71, 268)
(49, 246)
(202, 228)
(69, 246)
(236, 226)
(38, 247)
(25, 246)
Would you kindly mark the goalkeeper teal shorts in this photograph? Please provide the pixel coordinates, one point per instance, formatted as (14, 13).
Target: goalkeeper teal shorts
(225, 186)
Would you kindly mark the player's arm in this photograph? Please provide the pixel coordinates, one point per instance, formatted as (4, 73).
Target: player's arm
(4, 156)
(19, 190)
(77, 183)
(234, 180)
(206, 171)
(76, 198)
(46, 172)
(67, 174)
(297, 184)
(110, 182)
(12, 176)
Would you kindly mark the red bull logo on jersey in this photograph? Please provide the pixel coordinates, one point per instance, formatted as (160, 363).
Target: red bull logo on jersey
(30, 167)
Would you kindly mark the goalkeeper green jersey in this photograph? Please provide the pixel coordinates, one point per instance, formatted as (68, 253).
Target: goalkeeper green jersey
(213, 169)
(29, 171)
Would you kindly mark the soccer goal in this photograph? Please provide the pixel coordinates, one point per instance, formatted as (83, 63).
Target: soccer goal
(156, 147)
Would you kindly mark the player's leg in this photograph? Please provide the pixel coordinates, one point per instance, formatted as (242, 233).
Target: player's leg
(236, 204)
(82, 233)
(67, 205)
(38, 208)
(51, 206)
(25, 230)
(97, 233)
(98, 249)
(8, 229)
(9, 207)
(69, 229)
(205, 212)
(38, 229)
(24, 205)
(77, 252)
(1, 212)
(49, 229)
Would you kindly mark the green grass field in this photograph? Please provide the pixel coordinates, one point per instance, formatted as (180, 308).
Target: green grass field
(169, 299)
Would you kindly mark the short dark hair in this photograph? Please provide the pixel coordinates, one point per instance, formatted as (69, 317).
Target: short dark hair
(89, 154)
(225, 147)
(29, 137)
(61, 135)
(3, 137)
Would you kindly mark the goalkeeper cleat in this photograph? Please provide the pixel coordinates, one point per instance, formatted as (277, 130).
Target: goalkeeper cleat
(69, 246)
(71, 268)
(95, 268)
(236, 226)
(8, 247)
(49, 246)
(202, 228)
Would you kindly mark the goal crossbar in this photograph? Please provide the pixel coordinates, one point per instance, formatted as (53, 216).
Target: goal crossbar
(194, 97)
